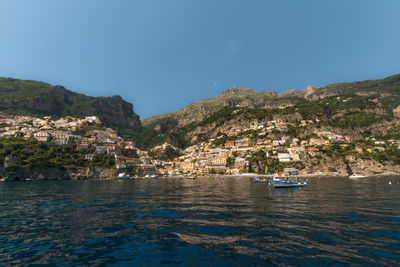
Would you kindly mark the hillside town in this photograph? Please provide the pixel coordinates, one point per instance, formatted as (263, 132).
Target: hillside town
(232, 152)
(86, 135)
(235, 156)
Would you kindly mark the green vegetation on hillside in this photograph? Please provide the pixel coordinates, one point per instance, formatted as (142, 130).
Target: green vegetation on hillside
(31, 153)
(346, 111)
(352, 105)
(14, 89)
(25, 97)
(344, 105)
(358, 119)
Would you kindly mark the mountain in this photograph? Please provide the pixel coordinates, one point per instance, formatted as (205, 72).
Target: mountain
(246, 97)
(369, 106)
(234, 96)
(354, 105)
(42, 99)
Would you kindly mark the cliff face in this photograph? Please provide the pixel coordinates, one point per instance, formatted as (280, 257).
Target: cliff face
(115, 111)
(37, 98)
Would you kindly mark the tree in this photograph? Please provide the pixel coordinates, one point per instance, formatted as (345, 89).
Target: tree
(230, 162)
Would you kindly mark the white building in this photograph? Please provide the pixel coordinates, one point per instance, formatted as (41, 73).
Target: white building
(284, 157)
(93, 119)
(42, 136)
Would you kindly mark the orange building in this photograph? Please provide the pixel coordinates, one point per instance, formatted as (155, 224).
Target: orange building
(230, 143)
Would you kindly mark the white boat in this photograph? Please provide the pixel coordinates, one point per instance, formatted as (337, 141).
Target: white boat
(281, 182)
(357, 176)
(123, 176)
(151, 176)
(277, 178)
(259, 179)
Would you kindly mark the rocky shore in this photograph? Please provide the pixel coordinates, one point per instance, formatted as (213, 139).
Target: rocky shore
(359, 166)
(74, 173)
(324, 169)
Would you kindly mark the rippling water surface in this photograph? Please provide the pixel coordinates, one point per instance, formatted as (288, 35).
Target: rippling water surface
(224, 222)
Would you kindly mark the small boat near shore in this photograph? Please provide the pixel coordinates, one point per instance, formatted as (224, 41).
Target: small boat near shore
(281, 182)
(352, 175)
(123, 176)
(259, 179)
(151, 176)
(357, 176)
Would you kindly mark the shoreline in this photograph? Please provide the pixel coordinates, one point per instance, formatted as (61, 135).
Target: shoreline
(109, 174)
(312, 175)
(186, 178)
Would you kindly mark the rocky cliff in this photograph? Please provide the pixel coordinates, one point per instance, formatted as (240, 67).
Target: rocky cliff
(38, 98)
(114, 111)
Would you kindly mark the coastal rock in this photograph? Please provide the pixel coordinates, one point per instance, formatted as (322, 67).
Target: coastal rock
(10, 161)
(38, 173)
(360, 166)
(3, 173)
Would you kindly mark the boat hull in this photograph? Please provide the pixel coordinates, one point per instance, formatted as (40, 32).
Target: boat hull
(357, 177)
(288, 184)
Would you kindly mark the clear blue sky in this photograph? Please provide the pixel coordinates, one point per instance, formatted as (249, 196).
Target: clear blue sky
(164, 54)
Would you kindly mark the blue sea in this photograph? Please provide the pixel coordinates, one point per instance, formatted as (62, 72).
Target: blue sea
(200, 222)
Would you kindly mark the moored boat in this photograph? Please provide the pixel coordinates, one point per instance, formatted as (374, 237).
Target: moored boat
(352, 175)
(357, 176)
(259, 179)
(123, 176)
(281, 182)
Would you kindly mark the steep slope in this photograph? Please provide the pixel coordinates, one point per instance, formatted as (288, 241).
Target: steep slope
(39, 98)
(388, 90)
(356, 105)
(234, 96)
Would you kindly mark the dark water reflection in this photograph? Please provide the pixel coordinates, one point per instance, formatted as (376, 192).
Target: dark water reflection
(220, 222)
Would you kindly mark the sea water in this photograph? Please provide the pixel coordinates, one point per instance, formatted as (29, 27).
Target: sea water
(203, 221)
